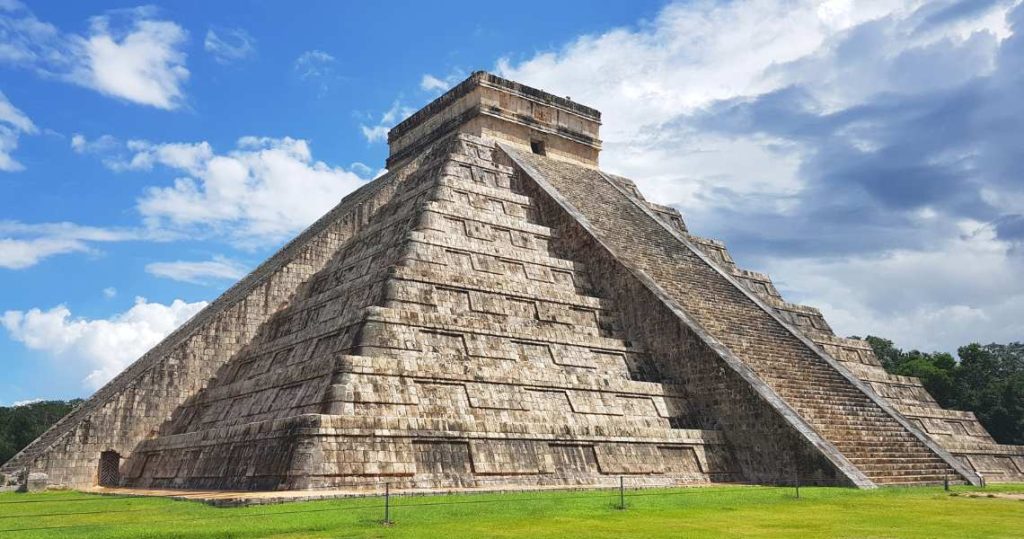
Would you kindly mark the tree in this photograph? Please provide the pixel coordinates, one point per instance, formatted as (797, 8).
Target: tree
(887, 353)
(19, 425)
(935, 370)
(987, 380)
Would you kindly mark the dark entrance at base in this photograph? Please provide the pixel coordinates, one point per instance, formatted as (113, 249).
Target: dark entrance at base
(110, 469)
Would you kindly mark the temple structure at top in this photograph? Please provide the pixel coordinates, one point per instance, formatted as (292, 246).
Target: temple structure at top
(497, 109)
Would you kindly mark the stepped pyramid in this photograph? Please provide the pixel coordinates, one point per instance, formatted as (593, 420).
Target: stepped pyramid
(496, 311)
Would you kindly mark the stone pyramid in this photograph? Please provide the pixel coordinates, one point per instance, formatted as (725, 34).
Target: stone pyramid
(496, 311)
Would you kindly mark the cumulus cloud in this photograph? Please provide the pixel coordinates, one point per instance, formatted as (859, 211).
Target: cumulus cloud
(264, 190)
(829, 142)
(198, 272)
(378, 132)
(13, 123)
(98, 348)
(23, 245)
(229, 45)
(316, 67)
(127, 54)
(437, 85)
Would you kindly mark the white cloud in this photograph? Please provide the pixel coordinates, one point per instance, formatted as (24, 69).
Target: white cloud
(110, 292)
(314, 63)
(361, 169)
(98, 348)
(127, 54)
(142, 64)
(229, 45)
(646, 81)
(13, 122)
(190, 157)
(316, 67)
(23, 245)
(677, 95)
(931, 299)
(142, 155)
(218, 268)
(9, 114)
(81, 145)
(437, 85)
(378, 132)
(20, 254)
(430, 83)
(25, 402)
(266, 189)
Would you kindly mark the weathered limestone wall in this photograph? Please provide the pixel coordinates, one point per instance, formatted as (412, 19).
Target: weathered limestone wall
(768, 449)
(251, 427)
(445, 345)
(133, 406)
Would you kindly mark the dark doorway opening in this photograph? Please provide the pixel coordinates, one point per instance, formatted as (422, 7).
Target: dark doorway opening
(537, 146)
(110, 469)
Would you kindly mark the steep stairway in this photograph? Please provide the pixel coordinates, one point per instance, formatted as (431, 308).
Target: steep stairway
(870, 437)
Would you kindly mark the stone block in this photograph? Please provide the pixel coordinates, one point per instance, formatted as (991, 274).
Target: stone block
(35, 482)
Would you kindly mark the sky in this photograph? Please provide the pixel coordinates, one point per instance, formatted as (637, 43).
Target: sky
(865, 154)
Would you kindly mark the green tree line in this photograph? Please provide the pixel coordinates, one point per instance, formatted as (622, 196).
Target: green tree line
(19, 425)
(987, 380)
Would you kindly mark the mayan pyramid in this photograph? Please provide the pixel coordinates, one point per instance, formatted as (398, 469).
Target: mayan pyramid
(496, 311)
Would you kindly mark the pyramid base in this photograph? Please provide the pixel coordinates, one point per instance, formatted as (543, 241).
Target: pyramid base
(330, 452)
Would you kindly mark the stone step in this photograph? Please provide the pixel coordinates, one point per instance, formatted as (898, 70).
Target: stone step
(895, 443)
(805, 371)
(839, 410)
(860, 409)
(845, 418)
(831, 391)
(882, 453)
(889, 460)
(901, 449)
(916, 480)
(825, 395)
(904, 470)
(854, 432)
(819, 373)
(837, 423)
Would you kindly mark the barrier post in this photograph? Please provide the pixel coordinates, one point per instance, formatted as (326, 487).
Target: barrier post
(387, 505)
(622, 493)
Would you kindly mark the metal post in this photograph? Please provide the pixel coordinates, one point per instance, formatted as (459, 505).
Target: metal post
(796, 481)
(387, 504)
(622, 493)
(945, 482)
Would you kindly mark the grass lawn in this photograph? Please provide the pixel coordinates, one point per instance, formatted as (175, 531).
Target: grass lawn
(725, 511)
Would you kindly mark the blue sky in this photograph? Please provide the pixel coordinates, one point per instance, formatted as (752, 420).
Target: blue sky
(867, 155)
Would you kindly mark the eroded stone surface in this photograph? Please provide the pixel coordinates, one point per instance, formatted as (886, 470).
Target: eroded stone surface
(484, 317)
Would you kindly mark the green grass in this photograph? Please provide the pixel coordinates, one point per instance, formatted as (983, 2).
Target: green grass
(697, 512)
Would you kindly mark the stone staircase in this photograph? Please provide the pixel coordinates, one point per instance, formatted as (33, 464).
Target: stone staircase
(868, 435)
